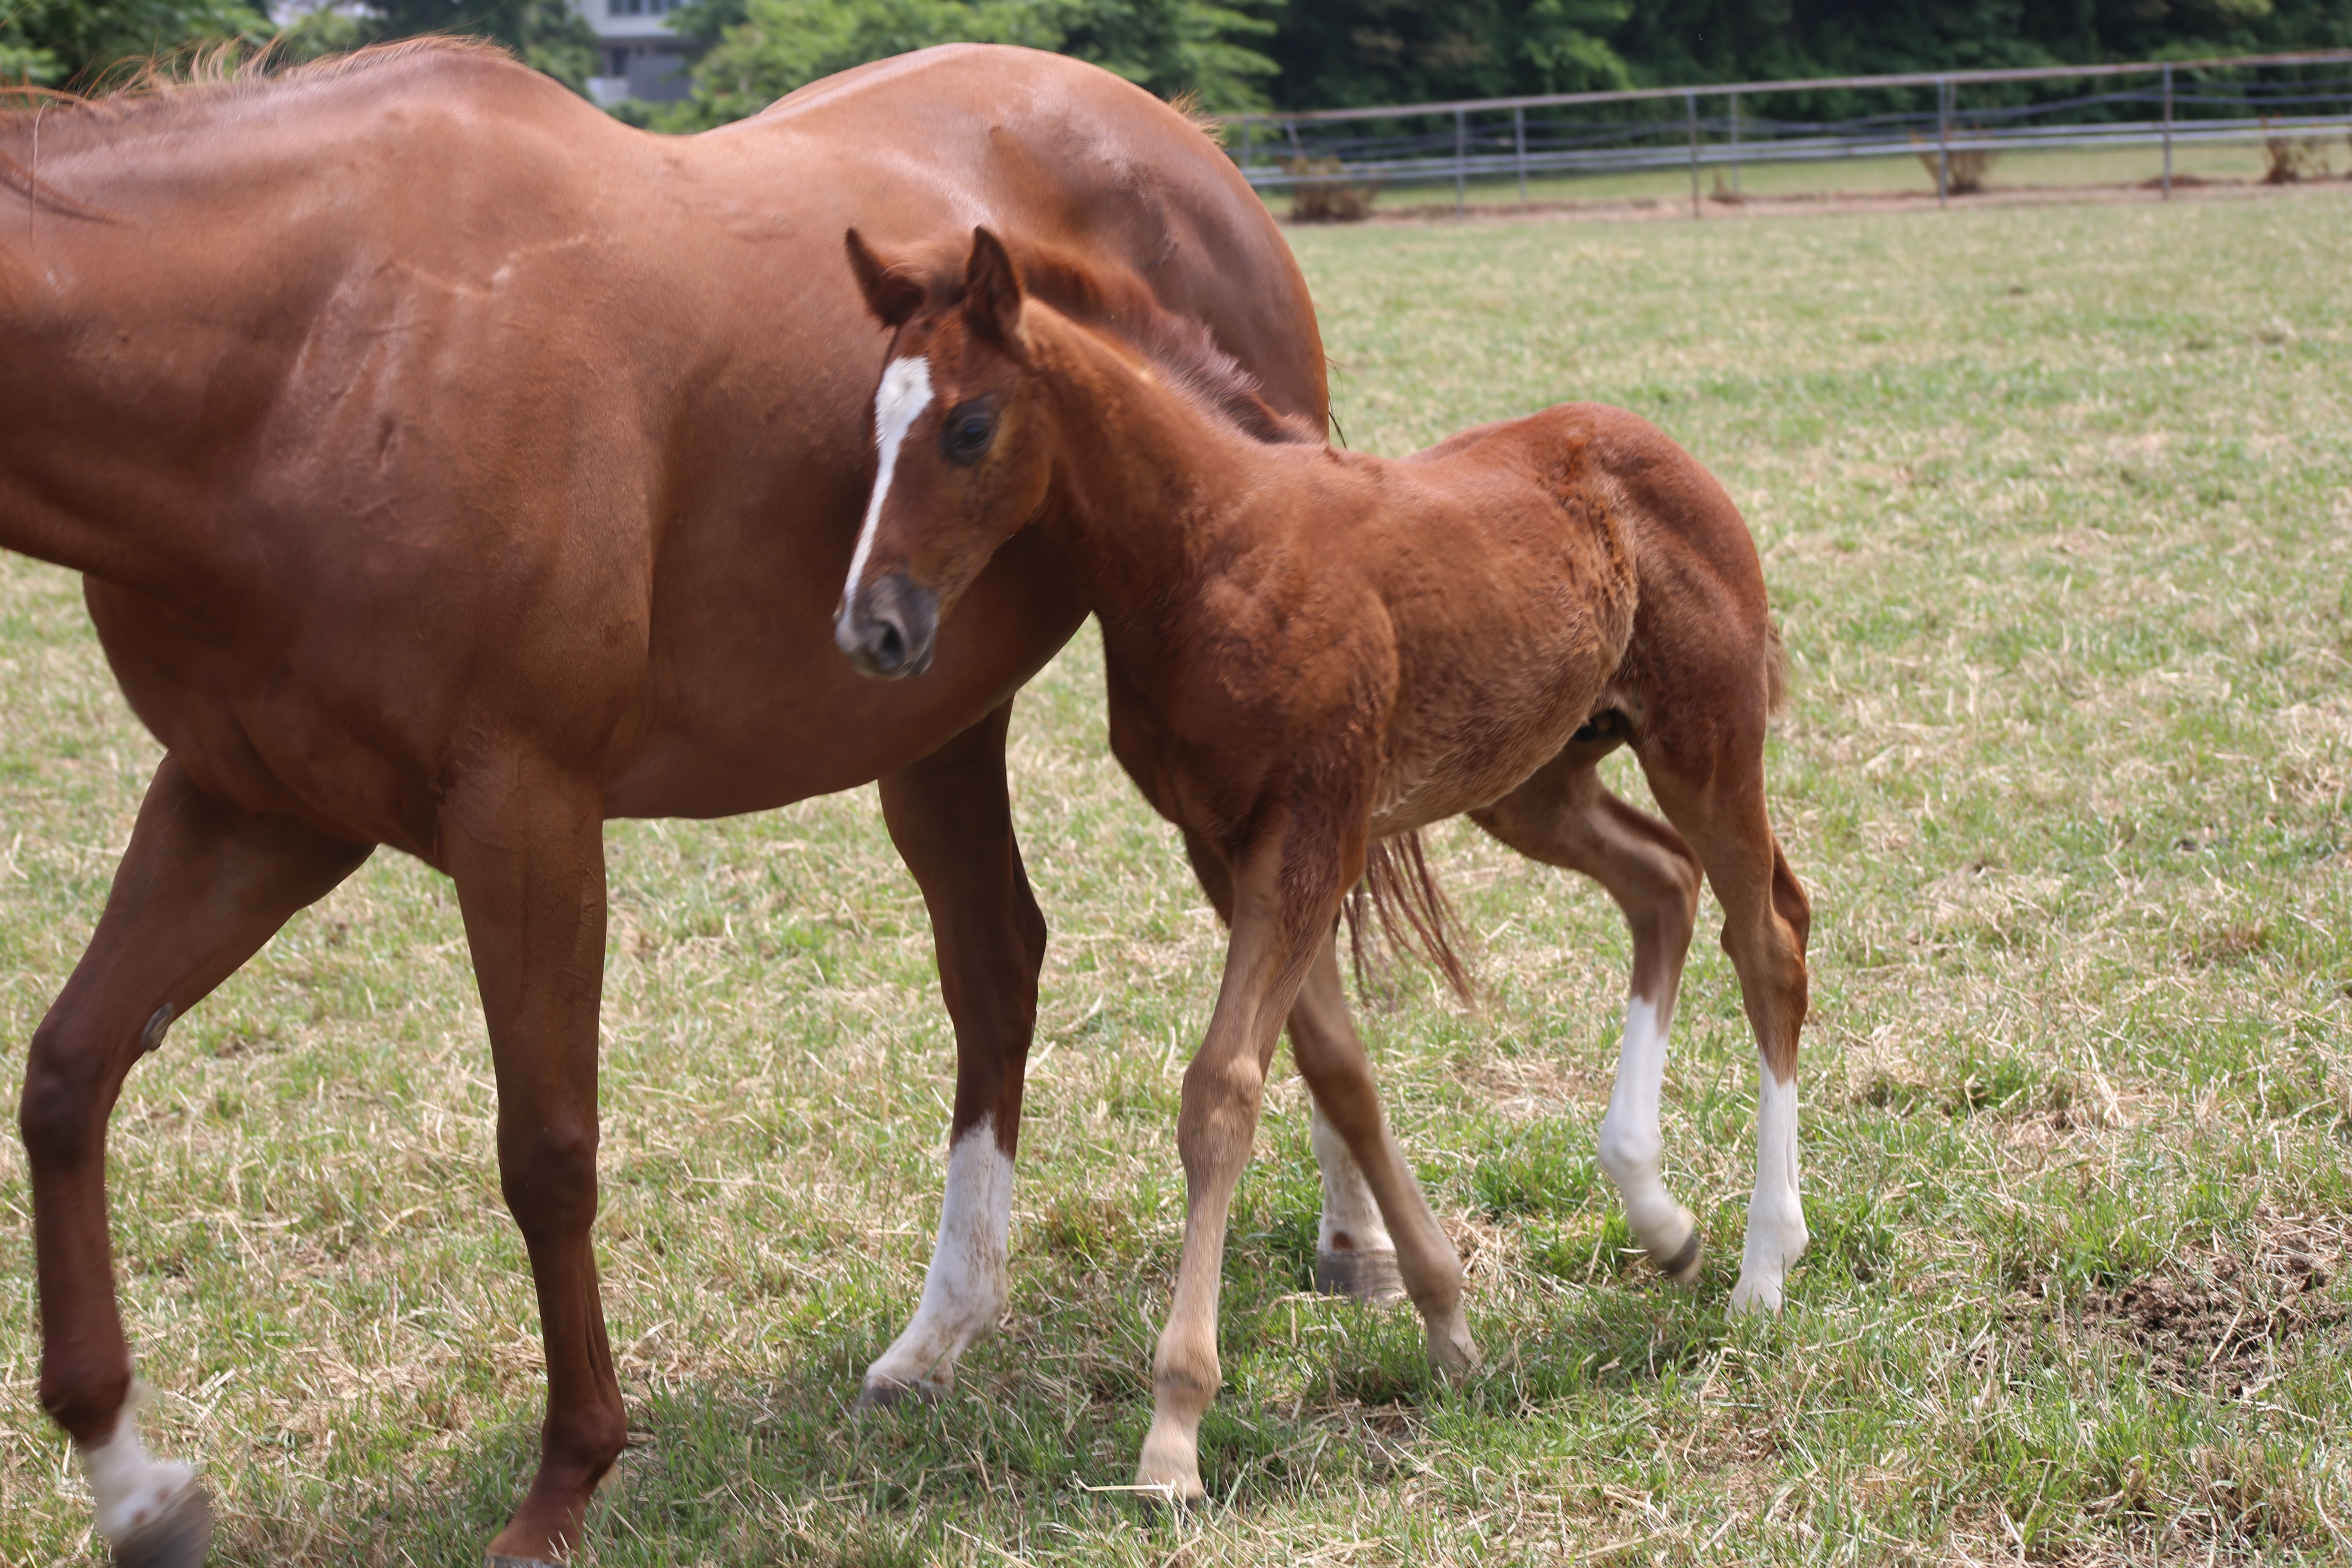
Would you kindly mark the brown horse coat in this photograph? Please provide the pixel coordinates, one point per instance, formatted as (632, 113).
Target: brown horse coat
(454, 468)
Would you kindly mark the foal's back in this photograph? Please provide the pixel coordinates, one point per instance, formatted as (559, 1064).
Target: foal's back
(1535, 573)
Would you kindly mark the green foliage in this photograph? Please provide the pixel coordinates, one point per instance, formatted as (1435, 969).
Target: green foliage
(51, 43)
(1313, 53)
(85, 43)
(763, 50)
(549, 35)
(1364, 52)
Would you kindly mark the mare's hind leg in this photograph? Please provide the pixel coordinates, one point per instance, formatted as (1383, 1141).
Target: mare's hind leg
(201, 886)
(1565, 817)
(953, 823)
(1715, 794)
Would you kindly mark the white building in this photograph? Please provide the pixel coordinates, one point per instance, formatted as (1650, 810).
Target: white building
(639, 56)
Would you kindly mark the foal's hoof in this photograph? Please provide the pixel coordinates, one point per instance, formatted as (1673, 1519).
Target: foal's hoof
(177, 1537)
(1159, 1502)
(1682, 1268)
(1371, 1277)
(880, 1393)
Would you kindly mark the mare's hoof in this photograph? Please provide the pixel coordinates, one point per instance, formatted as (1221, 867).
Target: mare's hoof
(879, 1393)
(176, 1538)
(1683, 1266)
(1371, 1277)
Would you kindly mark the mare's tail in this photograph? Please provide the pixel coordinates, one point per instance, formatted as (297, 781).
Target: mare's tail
(1413, 912)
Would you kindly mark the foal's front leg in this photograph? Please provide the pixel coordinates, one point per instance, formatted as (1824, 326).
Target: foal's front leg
(1274, 941)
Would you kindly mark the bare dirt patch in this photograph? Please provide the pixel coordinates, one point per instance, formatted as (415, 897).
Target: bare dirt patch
(2225, 1330)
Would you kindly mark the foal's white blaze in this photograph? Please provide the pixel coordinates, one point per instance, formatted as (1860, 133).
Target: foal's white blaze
(899, 402)
(1630, 1145)
(965, 1293)
(1351, 1219)
(1776, 1217)
(129, 1488)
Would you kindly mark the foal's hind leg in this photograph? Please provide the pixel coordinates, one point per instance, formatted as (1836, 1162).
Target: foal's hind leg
(1348, 1109)
(1565, 817)
(1715, 794)
(201, 886)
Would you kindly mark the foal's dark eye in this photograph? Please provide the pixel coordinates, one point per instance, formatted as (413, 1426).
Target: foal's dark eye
(966, 433)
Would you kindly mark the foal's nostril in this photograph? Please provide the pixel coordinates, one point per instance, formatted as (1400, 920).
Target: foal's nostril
(889, 628)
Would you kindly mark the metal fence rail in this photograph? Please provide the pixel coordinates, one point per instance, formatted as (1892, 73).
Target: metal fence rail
(2177, 104)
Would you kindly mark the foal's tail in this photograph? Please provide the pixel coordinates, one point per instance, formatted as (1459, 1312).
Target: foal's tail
(1413, 912)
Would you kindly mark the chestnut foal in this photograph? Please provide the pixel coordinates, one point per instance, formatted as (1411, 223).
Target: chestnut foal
(1311, 652)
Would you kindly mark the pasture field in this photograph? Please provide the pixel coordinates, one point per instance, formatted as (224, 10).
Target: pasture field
(2100, 170)
(2056, 507)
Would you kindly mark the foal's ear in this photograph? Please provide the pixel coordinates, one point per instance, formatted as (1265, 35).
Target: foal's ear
(891, 295)
(991, 292)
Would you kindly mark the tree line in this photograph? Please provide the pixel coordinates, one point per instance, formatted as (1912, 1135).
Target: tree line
(1235, 53)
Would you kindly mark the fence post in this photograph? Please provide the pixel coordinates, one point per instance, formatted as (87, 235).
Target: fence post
(1690, 111)
(1461, 158)
(1519, 145)
(1249, 135)
(2167, 133)
(1733, 100)
(1943, 142)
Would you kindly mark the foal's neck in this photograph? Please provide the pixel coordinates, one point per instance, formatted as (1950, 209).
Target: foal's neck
(1155, 488)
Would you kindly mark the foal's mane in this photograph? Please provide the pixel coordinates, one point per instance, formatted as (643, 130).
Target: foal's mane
(216, 75)
(1116, 301)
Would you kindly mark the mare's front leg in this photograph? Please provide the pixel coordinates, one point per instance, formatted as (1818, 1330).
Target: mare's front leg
(953, 823)
(524, 841)
(1285, 900)
(201, 886)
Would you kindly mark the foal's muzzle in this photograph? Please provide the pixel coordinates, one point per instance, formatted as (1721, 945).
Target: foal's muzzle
(888, 627)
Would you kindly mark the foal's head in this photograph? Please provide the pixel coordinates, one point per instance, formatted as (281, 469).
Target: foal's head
(963, 465)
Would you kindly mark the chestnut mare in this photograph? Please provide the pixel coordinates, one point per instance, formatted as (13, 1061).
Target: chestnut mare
(1311, 652)
(454, 468)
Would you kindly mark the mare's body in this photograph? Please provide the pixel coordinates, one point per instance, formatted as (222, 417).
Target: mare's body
(1310, 652)
(454, 468)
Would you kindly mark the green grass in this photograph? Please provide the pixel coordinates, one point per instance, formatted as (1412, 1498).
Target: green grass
(2056, 506)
